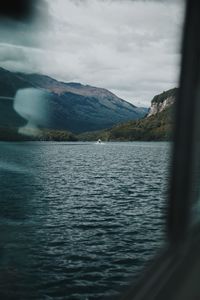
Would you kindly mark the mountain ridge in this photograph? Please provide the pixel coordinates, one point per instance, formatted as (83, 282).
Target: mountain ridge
(74, 107)
(63, 87)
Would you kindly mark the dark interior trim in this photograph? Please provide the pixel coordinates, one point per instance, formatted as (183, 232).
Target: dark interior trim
(183, 148)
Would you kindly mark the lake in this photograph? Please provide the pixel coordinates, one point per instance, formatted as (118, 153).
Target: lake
(79, 220)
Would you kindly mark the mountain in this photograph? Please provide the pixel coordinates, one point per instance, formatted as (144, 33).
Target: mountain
(71, 106)
(156, 126)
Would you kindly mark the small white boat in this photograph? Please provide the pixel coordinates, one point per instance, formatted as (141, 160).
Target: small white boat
(99, 141)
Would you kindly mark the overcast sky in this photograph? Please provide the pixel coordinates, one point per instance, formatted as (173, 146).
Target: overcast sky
(130, 47)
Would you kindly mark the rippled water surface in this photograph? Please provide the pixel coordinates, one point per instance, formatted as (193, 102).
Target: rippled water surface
(79, 221)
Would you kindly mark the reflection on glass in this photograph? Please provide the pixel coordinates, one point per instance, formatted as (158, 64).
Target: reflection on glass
(32, 105)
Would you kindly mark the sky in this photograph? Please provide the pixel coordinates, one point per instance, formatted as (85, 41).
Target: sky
(130, 47)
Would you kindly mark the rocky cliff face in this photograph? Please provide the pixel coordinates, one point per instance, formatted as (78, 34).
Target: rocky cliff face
(162, 101)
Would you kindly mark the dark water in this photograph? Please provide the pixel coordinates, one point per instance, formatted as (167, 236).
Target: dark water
(79, 221)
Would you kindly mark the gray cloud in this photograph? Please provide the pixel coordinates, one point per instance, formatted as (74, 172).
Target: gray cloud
(129, 47)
